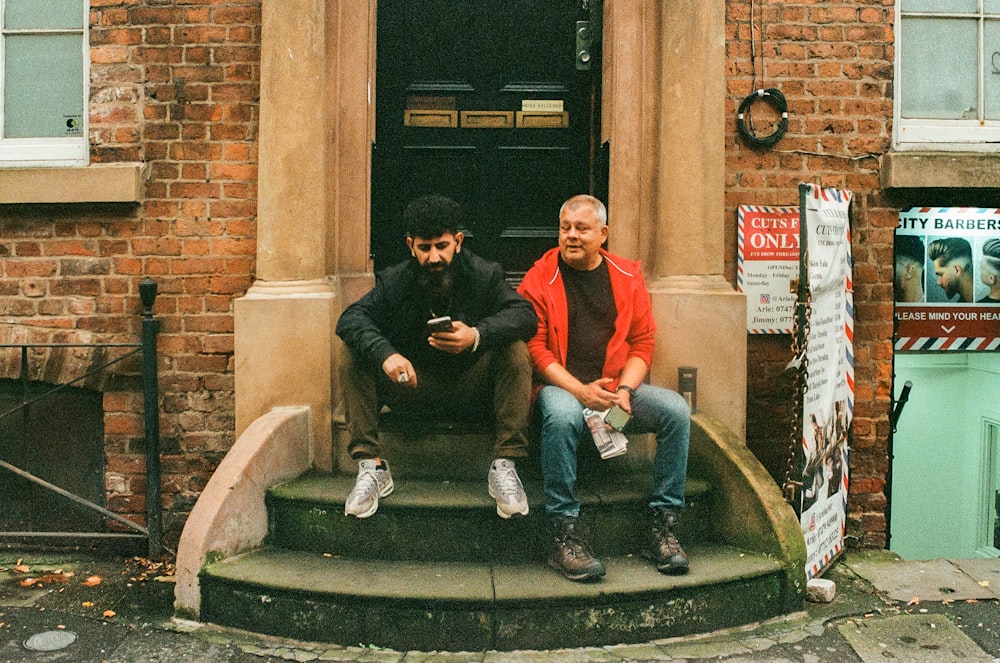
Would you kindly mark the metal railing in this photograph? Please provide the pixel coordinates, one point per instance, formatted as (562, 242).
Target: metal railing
(153, 531)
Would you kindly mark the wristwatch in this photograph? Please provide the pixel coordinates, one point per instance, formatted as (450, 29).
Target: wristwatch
(625, 387)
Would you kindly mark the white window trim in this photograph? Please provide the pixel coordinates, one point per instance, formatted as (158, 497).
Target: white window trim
(913, 134)
(51, 151)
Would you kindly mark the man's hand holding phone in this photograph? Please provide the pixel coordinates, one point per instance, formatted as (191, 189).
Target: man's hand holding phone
(452, 336)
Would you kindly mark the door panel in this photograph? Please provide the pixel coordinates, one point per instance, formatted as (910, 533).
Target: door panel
(444, 56)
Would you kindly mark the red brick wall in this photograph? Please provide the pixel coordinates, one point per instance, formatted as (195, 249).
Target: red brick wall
(174, 85)
(834, 65)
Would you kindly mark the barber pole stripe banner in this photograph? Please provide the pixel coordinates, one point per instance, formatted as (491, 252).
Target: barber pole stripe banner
(828, 402)
(924, 343)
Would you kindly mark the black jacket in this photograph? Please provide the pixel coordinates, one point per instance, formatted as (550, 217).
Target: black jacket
(393, 316)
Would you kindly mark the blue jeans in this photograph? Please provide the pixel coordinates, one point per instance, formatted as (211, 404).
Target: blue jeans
(654, 410)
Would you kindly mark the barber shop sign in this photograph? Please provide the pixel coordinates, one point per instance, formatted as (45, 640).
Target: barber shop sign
(946, 279)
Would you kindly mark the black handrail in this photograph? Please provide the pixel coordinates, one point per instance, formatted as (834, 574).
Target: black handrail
(153, 532)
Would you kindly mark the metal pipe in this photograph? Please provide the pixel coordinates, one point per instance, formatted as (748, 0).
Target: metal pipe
(151, 413)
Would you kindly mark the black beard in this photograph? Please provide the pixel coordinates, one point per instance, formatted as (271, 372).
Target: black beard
(438, 284)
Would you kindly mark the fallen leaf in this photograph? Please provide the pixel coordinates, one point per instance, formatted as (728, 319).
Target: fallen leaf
(109, 613)
(22, 568)
(58, 576)
(28, 582)
(88, 604)
(914, 601)
(984, 583)
(92, 581)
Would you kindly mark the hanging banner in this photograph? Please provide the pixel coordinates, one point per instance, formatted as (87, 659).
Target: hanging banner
(768, 262)
(828, 401)
(946, 279)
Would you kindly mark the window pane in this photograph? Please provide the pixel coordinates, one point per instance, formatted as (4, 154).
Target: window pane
(991, 89)
(941, 6)
(43, 14)
(992, 7)
(43, 90)
(939, 82)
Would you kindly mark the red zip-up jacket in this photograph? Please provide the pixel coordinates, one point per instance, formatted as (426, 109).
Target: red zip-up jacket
(634, 327)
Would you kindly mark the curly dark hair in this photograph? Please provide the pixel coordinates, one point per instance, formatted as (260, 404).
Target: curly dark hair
(432, 216)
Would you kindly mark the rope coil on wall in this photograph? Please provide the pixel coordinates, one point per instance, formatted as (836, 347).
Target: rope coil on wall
(777, 100)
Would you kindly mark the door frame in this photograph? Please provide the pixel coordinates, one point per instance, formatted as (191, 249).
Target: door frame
(316, 131)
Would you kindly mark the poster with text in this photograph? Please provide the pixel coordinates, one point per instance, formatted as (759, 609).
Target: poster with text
(946, 279)
(828, 401)
(768, 261)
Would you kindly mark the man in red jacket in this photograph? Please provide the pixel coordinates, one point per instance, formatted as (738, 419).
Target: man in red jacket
(593, 349)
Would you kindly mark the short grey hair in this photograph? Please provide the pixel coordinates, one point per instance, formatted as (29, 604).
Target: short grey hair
(600, 211)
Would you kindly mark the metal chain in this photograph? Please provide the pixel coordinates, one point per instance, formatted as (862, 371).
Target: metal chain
(800, 343)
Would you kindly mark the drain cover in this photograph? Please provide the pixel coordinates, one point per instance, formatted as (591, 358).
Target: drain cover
(50, 641)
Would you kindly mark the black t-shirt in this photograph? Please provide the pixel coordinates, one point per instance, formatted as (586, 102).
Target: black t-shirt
(592, 314)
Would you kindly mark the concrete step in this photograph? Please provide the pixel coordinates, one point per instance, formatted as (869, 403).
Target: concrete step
(475, 606)
(443, 520)
(455, 450)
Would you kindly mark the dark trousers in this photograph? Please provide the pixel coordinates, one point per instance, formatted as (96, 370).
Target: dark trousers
(496, 388)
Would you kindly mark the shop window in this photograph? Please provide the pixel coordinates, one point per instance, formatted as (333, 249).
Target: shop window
(44, 62)
(948, 75)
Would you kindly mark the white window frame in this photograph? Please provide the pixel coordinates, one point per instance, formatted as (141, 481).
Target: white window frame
(49, 151)
(946, 135)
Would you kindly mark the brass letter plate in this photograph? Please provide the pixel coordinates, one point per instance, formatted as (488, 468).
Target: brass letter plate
(488, 119)
(542, 120)
(430, 118)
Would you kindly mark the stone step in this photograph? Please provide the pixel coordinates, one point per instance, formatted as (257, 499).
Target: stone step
(453, 451)
(435, 520)
(475, 606)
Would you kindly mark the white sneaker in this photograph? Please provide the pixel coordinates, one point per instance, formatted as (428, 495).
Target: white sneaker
(373, 482)
(505, 487)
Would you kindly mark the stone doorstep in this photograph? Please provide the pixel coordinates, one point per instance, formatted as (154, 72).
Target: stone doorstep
(465, 606)
(330, 491)
(282, 570)
(457, 521)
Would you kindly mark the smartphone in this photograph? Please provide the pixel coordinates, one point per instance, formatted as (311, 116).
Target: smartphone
(617, 418)
(442, 324)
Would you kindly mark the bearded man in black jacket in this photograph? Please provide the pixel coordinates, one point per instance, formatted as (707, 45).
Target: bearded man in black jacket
(476, 365)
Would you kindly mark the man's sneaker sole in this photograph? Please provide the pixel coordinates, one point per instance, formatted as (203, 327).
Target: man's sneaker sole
(503, 514)
(384, 492)
(583, 576)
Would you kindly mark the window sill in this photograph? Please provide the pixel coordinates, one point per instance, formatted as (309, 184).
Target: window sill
(99, 183)
(933, 170)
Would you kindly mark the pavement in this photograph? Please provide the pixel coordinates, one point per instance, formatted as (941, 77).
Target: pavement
(70, 607)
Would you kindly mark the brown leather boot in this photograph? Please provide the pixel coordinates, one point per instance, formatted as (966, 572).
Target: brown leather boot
(664, 548)
(571, 554)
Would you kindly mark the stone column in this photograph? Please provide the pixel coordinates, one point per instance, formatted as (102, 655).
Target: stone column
(284, 324)
(701, 319)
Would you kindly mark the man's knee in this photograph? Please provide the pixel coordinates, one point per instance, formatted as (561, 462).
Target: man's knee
(515, 356)
(560, 411)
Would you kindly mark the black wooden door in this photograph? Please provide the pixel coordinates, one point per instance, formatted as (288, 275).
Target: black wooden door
(495, 103)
